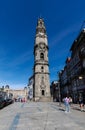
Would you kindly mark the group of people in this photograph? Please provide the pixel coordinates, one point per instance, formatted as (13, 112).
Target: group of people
(67, 102)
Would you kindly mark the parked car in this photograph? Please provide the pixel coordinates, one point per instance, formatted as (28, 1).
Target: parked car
(9, 101)
(2, 102)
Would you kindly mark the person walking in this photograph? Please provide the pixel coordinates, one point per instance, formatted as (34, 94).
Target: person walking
(70, 101)
(81, 103)
(66, 102)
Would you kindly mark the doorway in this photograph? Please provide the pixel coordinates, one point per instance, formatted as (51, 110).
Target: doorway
(43, 92)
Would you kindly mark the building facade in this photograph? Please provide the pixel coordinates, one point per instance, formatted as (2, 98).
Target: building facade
(74, 84)
(41, 85)
(30, 88)
(8, 93)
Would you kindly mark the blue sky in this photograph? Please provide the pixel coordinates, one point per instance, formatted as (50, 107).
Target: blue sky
(18, 18)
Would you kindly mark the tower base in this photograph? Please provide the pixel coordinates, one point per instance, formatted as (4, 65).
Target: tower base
(42, 99)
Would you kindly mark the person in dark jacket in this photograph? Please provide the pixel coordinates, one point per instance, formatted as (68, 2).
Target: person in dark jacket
(81, 103)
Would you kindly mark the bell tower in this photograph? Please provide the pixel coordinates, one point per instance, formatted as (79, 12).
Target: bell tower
(41, 65)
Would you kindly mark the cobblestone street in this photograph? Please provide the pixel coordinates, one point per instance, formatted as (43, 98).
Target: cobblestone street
(40, 116)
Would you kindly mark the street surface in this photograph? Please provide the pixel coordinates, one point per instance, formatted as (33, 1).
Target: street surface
(41, 116)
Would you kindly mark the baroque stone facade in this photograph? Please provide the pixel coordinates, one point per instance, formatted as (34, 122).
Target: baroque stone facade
(12, 93)
(41, 65)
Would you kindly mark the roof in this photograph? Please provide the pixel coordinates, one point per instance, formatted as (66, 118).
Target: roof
(79, 37)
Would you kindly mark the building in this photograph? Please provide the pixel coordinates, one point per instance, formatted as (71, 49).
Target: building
(30, 88)
(77, 65)
(73, 76)
(55, 90)
(19, 93)
(6, 92)
(64, 82)
(41, 66)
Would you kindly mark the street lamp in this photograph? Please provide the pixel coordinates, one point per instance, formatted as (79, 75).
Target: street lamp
(80, 77)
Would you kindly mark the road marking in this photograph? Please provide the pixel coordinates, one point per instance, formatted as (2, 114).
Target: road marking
(15, 122)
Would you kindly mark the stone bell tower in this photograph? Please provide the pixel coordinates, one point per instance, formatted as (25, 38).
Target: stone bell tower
(41, 65)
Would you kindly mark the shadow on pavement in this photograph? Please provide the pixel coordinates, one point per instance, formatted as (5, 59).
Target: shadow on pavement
(61, 109)
(75, 108)
(78, 109)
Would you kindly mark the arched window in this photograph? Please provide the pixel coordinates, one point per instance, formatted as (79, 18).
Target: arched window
(41, 56)
(42, 68)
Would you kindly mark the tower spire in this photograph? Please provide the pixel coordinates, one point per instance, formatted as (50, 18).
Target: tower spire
(40, 27)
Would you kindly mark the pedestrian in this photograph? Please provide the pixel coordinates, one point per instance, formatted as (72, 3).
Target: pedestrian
(70, 101)
(81, 104)
(66, 102)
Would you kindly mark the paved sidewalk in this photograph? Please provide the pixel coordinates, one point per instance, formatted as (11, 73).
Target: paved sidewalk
(40, 116)
(72, 106)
